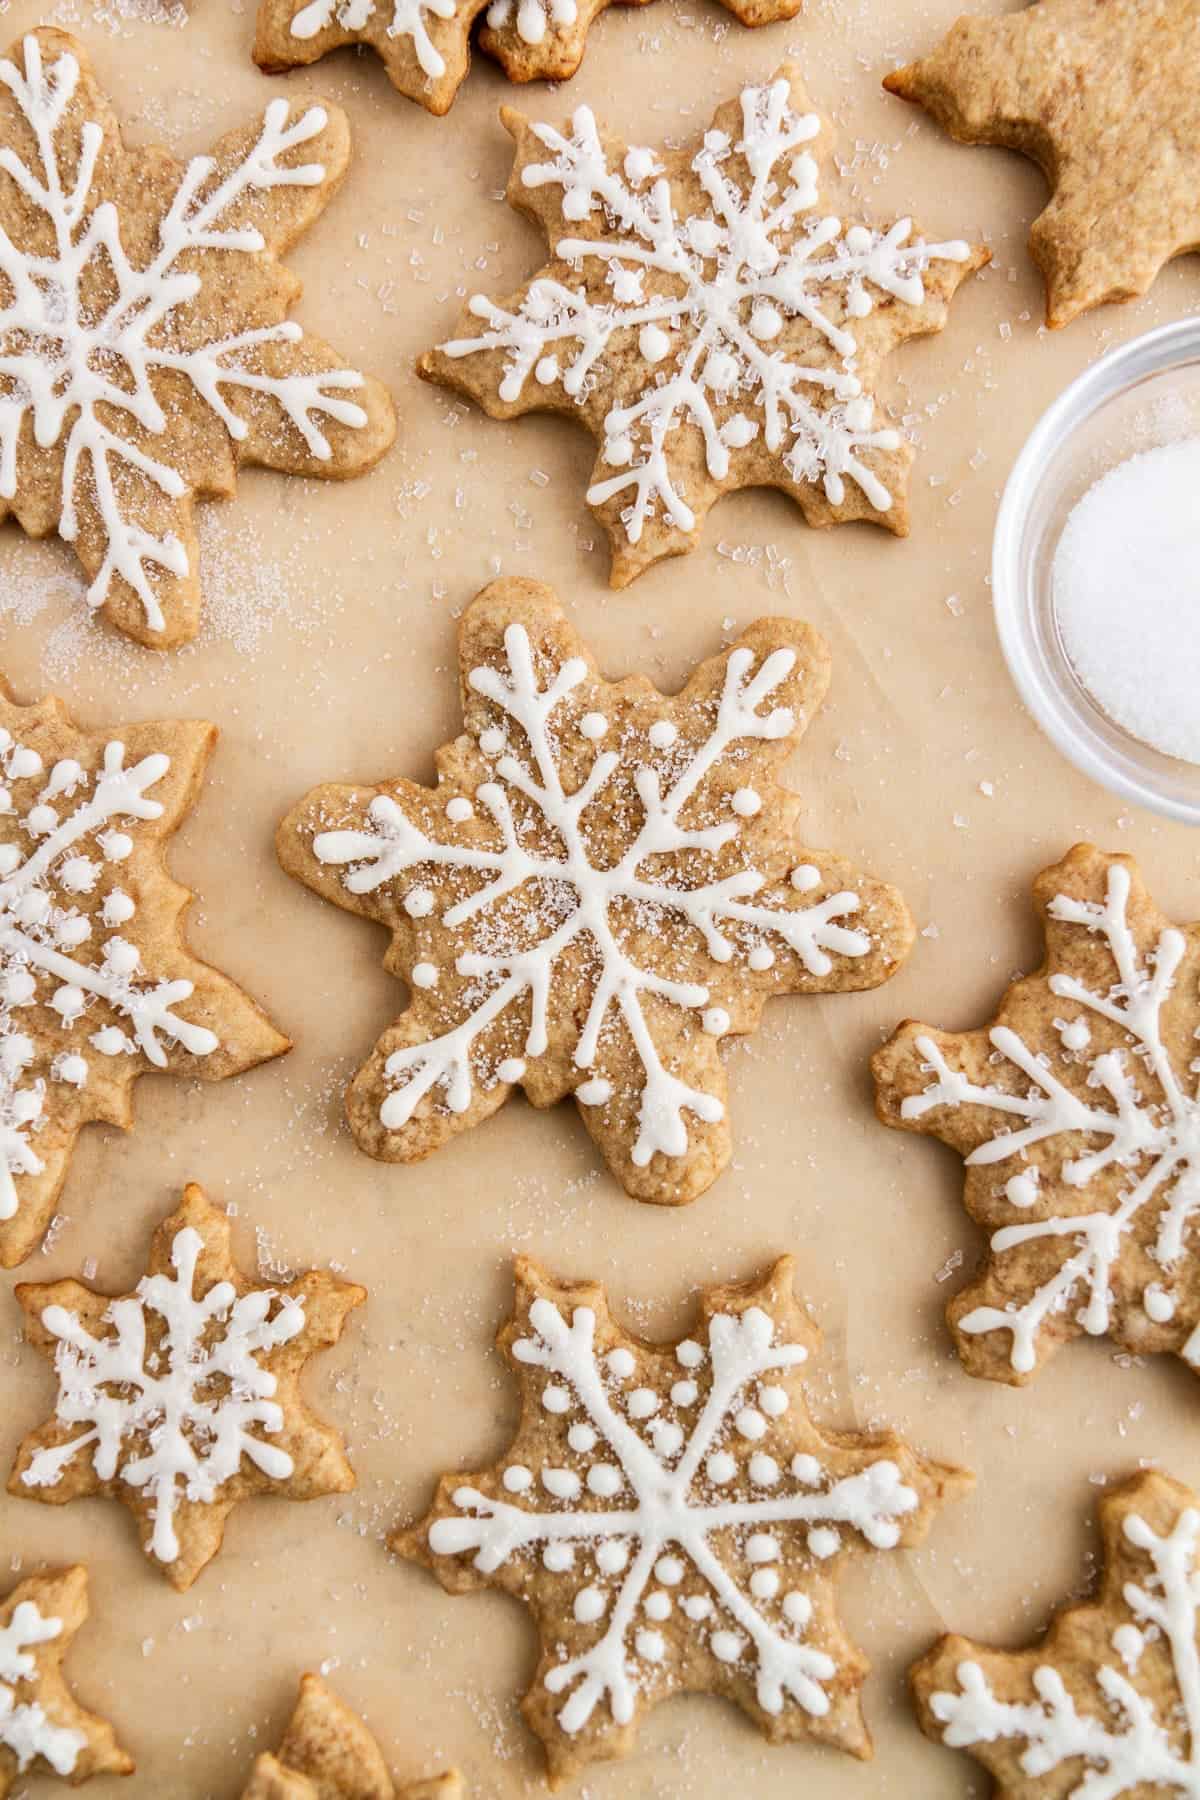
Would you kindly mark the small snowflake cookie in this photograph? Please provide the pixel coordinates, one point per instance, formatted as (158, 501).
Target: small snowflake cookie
(1109, 1704)
(710, 326)
(96, 984)
(182, 1398)
(603, 885)
(328, 1754)
(1078, 1116)
(674, 1518)
(145, 350)
(42, 1729)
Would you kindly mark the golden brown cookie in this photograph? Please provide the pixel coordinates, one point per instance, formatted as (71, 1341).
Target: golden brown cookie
(328, 1754)
(144, 347)
(1104, 95)
(1077, 1114)
(183, 1397)
(97, 985)
(1107, 1705)
(604, 884)
(42, 1729)
(708, 328)
(675, 1520)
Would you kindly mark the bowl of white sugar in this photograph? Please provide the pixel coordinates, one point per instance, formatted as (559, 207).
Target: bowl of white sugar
(1096, 571)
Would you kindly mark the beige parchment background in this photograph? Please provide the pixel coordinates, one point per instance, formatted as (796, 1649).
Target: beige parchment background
(328, 654)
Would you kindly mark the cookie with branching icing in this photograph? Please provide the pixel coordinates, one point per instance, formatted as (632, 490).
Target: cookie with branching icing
(604, 884)
(1104, 95)
(43, 1729)
(674, 1518)
(1107, 1706)
(707, 322)
(327, 1753)
(1077, 1113)
(183, 1398)
(145, 351)
(97, 986)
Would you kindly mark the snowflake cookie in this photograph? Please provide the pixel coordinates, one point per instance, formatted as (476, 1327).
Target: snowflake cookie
(1109, 1704)
(1078, 1116)
(706, 322)
(675, 1519)
(182, 1398)
(96, 984)
(144, 347)
(42, 1729)
(328, 1754)
(603, 885)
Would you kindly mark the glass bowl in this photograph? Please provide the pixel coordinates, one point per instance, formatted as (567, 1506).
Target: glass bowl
(1145, 394)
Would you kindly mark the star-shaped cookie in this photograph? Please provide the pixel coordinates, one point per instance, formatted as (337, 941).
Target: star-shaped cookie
(328, 1754)
(1104, 95)
(145, 351)
(675, 1520)
(42, 1729)
(604, 884)
(707, 322)
(183, 1398)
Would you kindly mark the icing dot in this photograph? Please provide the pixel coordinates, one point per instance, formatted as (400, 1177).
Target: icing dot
(639, 164)
(110, 1041)
(766, 321)
(596, 1092)
(18, 987)
(764, 1584)
(668, 1438)
(823, 1541)
(746, 802)
(68, 1002)
(689, 1353)
(418, 903)
(604, 1480)
(804, 878)
(764, 1470)
(721, 371)
(642, 1403)
(581, 1438)
(121, 956)
(593, 725)
(1022, 1190)
(658, 1605)
(517, 1478)
(546, 370)
(72, 1068)
(80, 874)
(761, 958)
(563, 1484)
(556, 1399)
(590, 1605)
(118, 908)
(738, 431)
(425, 975)
(704, 235)
(684, 1393)
(727, 1646)
(720, 1467)
(620, 1363)
(24, 762)
(697, 1606)
(750, 1423)
(806, 1469)
(612, 1557)
(650, 1645)
(116, 845)
(762, 1547)
(459, 810)
(1075, 1034)
(491, 741)
(1159, 1305)
(773, 1401)
(558, 1558)
(797, 1607)
(33, 908)
(715, 1021)
(663, 734)
(653, 343)
(511, 1069)
(668, 1570)
(72, 932)
(1129, 1644)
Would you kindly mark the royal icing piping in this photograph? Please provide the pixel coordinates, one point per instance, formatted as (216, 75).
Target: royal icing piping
(735, 277)
(72, 851)
(525, 799)
(67, 366)
(672, 1509)
(175, 1422)
(408, 20)
(25, 1729)
(533, 17)
(1138, 1103)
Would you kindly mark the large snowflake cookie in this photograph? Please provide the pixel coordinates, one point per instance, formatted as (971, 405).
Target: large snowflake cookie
(144, 347)
(182, 1398)
(674, 1518)
(96, 984)
(704, 319)
(1078, 1116)
(1109, 1703)
(327, 1753)
(43, 1731)
(603, 885)
(1103, 97)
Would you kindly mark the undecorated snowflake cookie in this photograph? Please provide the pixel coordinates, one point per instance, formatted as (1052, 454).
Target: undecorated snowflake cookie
(707, 322)
(674, 1518)
(42, 1729)
(183, 1398)
(328, 1754)
(145, 350)
(1078, 1116)
(603, 886)
(97, 986)
(1108, 1705)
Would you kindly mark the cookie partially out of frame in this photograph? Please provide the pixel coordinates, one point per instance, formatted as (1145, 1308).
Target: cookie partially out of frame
(327, 1753)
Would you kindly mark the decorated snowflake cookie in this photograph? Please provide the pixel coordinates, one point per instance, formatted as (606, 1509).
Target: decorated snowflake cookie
(704, 319)
(328, 1754)
(182, 1398)
(1078, 1116)
(603, 885)
(144, 348)
(1109, 1703)
(674, 1518)
(96, 985)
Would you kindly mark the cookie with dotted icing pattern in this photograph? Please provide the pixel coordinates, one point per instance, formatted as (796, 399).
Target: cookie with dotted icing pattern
(43, 1729)
(145, 351)
(1104, 96)
(182, 1398)
(603, 885)
(97, 986)
(1107, 1705)
(674, 1518)
(1078, 1116)
(327, 1753)
(706, 321)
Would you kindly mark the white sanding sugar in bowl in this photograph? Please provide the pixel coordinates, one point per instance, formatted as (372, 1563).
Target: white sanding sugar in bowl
(1127, 595)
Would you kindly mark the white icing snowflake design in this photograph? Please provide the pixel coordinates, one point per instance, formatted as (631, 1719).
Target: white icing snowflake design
(407, 21)
(25, 1729)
